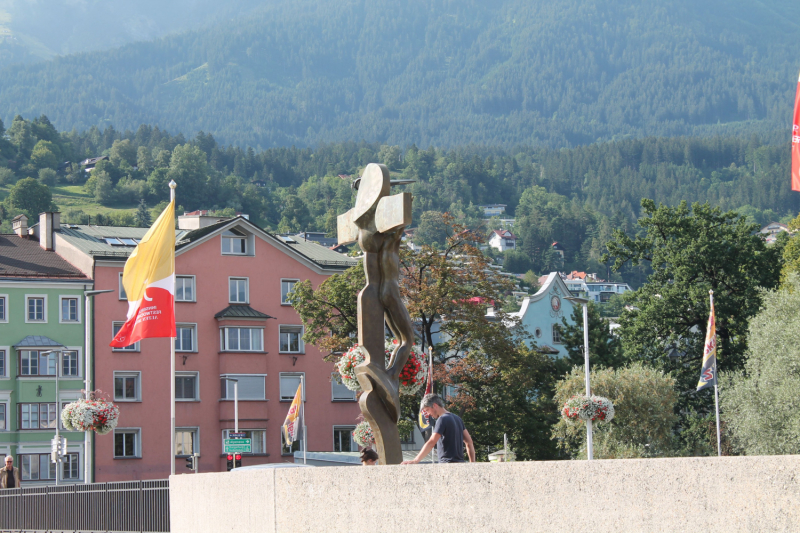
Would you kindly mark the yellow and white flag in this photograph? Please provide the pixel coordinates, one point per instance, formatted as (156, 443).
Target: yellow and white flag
(149, 281)
(292, 426)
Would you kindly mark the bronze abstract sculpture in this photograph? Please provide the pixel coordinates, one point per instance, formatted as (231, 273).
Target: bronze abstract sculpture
(377, 222)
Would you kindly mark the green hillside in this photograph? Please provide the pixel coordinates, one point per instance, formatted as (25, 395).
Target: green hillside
(439, 72)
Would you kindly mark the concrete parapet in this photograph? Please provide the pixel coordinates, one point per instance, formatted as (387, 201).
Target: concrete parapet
(691, 494)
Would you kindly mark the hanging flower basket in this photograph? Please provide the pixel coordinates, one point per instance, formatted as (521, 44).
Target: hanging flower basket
(96, 414)
(363, 435)
(594, 408)
(412, 376)
(347, 367)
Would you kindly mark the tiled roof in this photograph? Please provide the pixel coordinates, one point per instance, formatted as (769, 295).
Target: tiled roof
(241, 311)
(38, 341)
(24, 258)
(504, 233)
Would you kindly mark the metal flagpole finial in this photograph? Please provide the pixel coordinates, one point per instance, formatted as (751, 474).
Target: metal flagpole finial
(172, 184)
(711, 292)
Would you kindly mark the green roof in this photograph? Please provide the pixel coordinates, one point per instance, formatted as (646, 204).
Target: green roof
(89, 239)
(38, 341)
(241, 311)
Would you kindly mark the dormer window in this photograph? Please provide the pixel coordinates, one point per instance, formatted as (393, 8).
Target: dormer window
(234, 242)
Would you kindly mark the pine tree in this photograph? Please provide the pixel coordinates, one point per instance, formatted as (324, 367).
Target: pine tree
(142, 215)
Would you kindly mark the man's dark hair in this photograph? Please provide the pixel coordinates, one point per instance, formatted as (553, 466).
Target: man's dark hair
(368, 454)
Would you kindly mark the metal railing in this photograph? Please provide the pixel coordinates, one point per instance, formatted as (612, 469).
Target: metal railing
(125, 506)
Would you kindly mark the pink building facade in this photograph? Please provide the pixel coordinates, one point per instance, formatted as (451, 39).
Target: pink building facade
(233, 321)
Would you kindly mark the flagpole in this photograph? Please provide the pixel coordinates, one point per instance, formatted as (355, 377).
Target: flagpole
(172, 186)
(303, 407)
(716, 381)
(430, 376)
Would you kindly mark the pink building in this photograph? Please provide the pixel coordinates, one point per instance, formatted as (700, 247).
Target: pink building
(233, 321)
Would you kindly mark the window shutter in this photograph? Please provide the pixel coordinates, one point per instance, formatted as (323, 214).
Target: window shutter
(250, 388)
(339, 391)
(289, 384)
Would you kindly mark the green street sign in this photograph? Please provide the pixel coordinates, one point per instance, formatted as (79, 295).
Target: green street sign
(237, 445)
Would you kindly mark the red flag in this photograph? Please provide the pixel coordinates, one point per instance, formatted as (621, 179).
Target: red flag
(796, 141)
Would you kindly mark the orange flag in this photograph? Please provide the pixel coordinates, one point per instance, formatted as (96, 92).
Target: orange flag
(796, 141)
(149, 281)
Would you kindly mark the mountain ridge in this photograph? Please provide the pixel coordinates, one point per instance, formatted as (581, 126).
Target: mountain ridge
(437, 72)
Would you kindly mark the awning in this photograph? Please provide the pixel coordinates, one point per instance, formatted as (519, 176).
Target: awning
(38, 341)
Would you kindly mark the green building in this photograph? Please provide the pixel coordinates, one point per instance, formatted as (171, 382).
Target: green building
(41, 310)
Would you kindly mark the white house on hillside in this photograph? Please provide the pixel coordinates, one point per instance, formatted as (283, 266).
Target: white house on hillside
(502, 240)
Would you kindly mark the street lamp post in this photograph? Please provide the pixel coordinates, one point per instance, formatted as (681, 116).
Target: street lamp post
(87, 357)
(59, 363)
(584, 303)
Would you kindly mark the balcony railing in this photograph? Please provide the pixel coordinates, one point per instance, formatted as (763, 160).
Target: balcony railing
(127, 506)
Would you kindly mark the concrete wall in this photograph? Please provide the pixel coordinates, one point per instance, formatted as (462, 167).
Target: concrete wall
(648, 495)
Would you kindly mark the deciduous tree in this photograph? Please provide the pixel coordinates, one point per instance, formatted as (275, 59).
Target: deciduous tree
(691, 251)
(759, 402)
(644, 401)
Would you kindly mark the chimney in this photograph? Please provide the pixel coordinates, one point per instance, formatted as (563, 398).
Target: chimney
(49, 222)
(20, 225)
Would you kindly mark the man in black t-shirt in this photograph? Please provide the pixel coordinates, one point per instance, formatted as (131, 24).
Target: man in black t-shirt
(449, 433)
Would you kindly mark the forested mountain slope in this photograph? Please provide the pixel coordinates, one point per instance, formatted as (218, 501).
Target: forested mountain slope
(32, 30)
(439, 72)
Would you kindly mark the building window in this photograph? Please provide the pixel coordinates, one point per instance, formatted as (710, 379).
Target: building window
(242, 339)
(127, 386)
(116, 326)
(291, 339)
(3, 419)
(287, 286)
(556, 334)
(71, 466)
(3, 364)
(36, 306)
(234, 242)
(37, 466)
(290, 381)
(37, 415)
(343, 439)
(184, 289)
(69, 310)
(185, 338)
(69, 363)
(237, 290)
(296, 446)
(122, 295)
(33, 363)
(3, 308)
(340, 393)
(258, 439)
(186, 442)
(186, 386)
(251, 387)
(126, 443)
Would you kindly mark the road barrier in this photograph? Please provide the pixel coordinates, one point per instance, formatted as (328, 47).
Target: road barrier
(126, 506)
